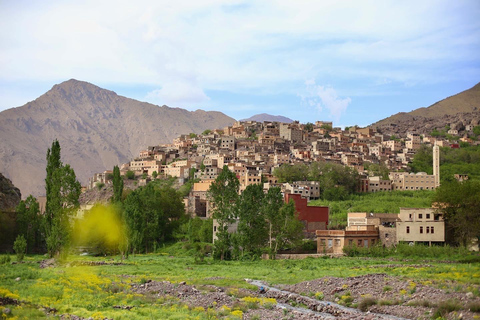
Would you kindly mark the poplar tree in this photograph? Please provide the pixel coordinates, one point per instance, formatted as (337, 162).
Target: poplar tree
(223, 193)
(117, 185)
(62, 190)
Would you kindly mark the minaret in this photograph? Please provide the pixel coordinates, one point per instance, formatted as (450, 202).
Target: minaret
(436, 164)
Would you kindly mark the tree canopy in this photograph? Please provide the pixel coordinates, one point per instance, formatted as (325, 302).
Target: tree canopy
(460, 204)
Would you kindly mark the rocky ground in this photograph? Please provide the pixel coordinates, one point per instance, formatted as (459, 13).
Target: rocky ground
(378, 295)
(372, 296)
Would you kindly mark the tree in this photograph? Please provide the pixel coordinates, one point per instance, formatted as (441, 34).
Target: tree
(29, 222)
(206, 132)
(223, 194)
(460, 203)
(271, 206)
(290, 173)
(130, 175)
(154, 174)
(283, 225)
(20, 247)
(63, 191)
(423, 160)
(117, 185)
(152, 214)
(252, 226)
(308, 127)
(476, 130)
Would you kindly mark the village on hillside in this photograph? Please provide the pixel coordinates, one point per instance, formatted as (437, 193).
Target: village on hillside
(253, 150)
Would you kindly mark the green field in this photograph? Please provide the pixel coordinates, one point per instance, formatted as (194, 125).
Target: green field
(93, 291)
(380, 202)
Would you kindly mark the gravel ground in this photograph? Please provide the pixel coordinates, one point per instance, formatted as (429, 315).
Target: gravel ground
(408, 299)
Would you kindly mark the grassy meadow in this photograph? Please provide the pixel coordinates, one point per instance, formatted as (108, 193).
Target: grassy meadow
(93, 290)
(380, 202)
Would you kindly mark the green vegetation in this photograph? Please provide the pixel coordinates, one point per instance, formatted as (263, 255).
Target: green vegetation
(130, 175)
(379, 202)
(117, 185)
(93, 291)
(152, 214)
(20, 247)
(62, 190)
(336, 181)
(460, 203)
(465, 160)
(29, 223)
(265, 222)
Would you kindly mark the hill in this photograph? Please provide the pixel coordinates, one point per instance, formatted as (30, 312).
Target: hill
(268, 117)
(456, 111)
(96, 128)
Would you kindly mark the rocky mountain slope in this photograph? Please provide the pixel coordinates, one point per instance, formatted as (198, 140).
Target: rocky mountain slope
(96, 128)
(268, 117)
(456, 111)
(10, 195)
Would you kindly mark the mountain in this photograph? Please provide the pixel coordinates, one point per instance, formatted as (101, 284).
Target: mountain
(96, 128)
(456, 111)
(268, 117)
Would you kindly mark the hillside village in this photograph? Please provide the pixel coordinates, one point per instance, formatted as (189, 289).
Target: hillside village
(253, 150)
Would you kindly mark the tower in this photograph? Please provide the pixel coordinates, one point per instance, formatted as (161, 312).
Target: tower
(436, 164)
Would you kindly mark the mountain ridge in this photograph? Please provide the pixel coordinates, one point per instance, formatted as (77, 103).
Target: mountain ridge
(455, 108)
(261, 117)
(96, 128)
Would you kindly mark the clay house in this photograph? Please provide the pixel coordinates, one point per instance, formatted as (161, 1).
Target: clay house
(313, 217)
(420, 225)
(363, 230)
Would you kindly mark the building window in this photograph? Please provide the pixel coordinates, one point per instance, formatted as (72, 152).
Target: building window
(359, 243)
(330, 243)
(350, 242)
(323, 242)
(337, 242)
(421, 229)
(428, 215)
(428, 229)
(408, 229)
(431, 229)
(420, 216)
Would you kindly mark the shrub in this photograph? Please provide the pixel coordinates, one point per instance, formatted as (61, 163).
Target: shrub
(130, 175)
(20, 247)
(474, 307)
(366, 303)
(5, 259)
(100, 185)
(445, 307)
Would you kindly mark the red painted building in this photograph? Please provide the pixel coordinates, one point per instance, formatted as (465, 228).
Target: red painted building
(314, 218)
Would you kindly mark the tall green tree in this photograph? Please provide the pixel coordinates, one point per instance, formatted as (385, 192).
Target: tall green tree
(272, 203)
(223, 194)
(29, 222)
(62, 190)
(152, 214)
(287, 229)
(117, 185)
(252, 226)
(460, 204)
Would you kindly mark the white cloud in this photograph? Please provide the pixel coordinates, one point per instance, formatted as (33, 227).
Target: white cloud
(177, 94)
(264, 46)
(325, 97)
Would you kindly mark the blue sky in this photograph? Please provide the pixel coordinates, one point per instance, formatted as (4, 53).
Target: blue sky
(350, 62)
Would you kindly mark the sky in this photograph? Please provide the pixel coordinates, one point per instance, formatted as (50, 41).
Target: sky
(350, 62)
